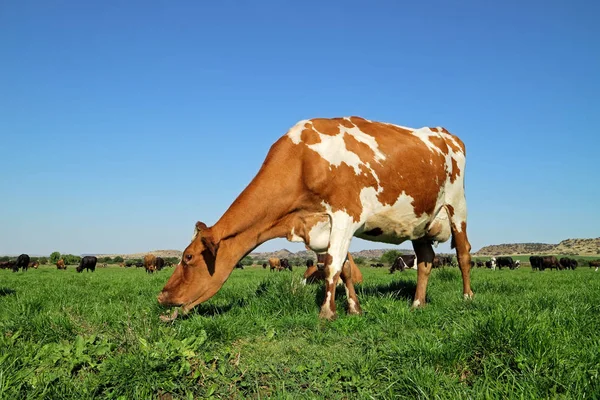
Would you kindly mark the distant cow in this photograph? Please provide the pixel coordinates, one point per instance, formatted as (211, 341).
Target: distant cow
(517, 264)
(285, 264)
(536, 262)
(239, 265)
(7, 264)
(491, 263)
(402, 262)
(317, 273)
(60, 264)
(22, 262)
(149, 263)
(549, 262)
(377, 265)
(594, 263)
(33, 264)
(309, 263)
(480, 264)
(505, 262)
(275, 264)
(264, 265)
(159, 263)
(88, 263)
(568, 263)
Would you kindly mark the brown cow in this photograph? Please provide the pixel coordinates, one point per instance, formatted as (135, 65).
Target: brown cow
(33, 264)
(335, 179)
(150, 263)
(275, 264)
(314, 274)
(60, 264)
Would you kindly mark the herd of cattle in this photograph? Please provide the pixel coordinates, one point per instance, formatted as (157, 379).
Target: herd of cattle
(314, 272)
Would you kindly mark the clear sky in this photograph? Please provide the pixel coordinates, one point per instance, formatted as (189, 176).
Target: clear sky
(123, 123)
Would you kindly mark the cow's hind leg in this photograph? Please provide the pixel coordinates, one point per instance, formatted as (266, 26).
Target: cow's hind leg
(353, 304)
(425, 255)
(458, 224)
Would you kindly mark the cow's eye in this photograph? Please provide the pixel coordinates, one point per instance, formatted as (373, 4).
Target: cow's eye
(188, 257)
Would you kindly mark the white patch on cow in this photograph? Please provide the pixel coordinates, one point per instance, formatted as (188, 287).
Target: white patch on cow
(362, 137)
(294, 238)
(295, 132)
(424, 134)
(318, 236)
(333, 150)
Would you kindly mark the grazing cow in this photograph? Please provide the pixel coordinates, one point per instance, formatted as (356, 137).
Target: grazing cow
(149, 263)
(491, 263)
(505, 262)
(480, 264)
(517, 264)
(285, 264)
(159, 263)
(139, 264)
(568, 263)
(88, 263)
(7, 264)
(343, 177)
(264, 265)
(22, 262)
(548, 262)
(275, 264)
(536, 262)
(317, 273)
(594, 263)
(402, 262)
(377, 265)
(239, 265)
(33, 264)
(60, 264)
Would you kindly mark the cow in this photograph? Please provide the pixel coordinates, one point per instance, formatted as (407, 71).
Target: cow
(159, 263)
(594, 263)
(33, 264)
(274, 264)
(402, 262)
(505, 262)
(264, 265)
(343, 177)
(548, 262)
(285, 264)
(88, 263)
(7, 264)
(568, 263)
(491, 263)
(60, 264)
(377, 265)
(149, 263)
(480, 264)
(239, 265)
(310, 262)
(22, 262)
(536, 262)
(317, 273)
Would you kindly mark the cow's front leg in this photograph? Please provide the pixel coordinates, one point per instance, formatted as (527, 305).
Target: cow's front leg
(339, 242)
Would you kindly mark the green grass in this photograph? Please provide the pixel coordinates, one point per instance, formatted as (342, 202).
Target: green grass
(526, 335)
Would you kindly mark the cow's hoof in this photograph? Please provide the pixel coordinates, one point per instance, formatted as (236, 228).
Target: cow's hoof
(354, 308)
(418, 304)
(468, 296)
(171, 317)
(327, 314)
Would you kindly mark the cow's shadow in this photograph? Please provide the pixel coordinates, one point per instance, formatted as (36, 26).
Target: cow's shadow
(4, 291)
(401, 290)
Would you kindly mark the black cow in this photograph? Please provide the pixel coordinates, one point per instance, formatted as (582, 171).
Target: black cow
(491, 263)
(505, 262)
(402, 262)
(22, 262)
(568, 263)
(594, 263)
(139, 264)
(87, 263)
(536, 262)
(549, 262)
(480, 264)
(239, 265)
(7, 264)
(159, 263)
(264, 265)
(377, 265)
(310, 262)
(285, 264)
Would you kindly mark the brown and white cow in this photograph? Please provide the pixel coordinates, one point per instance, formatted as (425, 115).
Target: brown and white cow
(150, 263)
(275, 264)
(338, 178)
(315, 273)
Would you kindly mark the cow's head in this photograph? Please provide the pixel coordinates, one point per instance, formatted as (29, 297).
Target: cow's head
(195, 278)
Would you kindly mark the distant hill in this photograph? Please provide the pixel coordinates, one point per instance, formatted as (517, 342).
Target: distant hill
(157, 253)
(579, 247)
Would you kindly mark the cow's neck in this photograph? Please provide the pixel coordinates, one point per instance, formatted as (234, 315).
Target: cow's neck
(257, 215)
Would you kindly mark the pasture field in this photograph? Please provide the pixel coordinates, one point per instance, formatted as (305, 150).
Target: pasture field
(526, 334)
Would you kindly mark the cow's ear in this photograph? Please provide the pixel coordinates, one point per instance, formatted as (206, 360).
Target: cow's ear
(207, 238)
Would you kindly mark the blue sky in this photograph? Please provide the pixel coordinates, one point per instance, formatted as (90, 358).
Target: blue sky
(122, 123)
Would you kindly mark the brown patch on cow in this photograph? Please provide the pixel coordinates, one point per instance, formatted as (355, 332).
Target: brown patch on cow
(455, 171)
(374, 232)
(345, 123)
(362, 150)
(434, 129)
(439, 142)
(309, 136)
(326, 126)
(450, 209)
